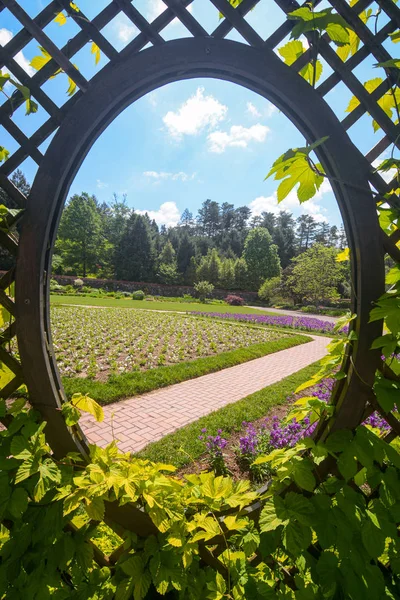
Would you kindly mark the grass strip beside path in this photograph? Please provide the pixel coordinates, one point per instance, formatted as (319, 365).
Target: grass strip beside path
(126, 385)
(229, 419)
(153, 305)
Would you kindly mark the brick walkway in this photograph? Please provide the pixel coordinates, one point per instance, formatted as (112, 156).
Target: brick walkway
(135, 422)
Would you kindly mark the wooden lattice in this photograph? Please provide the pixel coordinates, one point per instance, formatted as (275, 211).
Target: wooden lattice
(130, 74)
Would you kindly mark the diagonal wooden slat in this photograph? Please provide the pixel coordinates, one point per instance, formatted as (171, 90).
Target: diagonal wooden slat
(239, 23)
(92, 31)
(47, 43)
(23, 37)
(186, 18)
(140, 22)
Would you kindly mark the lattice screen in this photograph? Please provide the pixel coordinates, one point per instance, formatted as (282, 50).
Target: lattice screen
(375, 47)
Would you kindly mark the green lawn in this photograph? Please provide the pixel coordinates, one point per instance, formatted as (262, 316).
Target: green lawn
(154, 305)
(140, 382)
(180, 447)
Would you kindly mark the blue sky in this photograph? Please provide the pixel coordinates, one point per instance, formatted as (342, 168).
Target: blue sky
(190, 140)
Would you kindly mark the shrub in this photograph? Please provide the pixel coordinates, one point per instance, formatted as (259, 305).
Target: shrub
(55, 287)
(126, 294)
(269, 289)
(234, 300)
(204, 290)
(78, 283)
(138, 295)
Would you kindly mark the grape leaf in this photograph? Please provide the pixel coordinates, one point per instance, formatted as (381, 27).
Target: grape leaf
(61, 19)
(294, 168)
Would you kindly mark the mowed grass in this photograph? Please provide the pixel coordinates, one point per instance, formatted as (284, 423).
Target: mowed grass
(153, 305)
(183, 446)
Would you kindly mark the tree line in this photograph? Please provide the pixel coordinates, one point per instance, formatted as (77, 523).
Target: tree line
(224, 245)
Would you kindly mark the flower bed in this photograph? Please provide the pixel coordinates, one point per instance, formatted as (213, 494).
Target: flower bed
(99, 342)
(305, 323)
(236, 454)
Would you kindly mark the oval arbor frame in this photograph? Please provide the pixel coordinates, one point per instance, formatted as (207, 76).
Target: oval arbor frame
(109, 93)
(129, 75)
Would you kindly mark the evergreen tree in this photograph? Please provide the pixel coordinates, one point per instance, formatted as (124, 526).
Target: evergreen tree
(322, 234)
(135, 255)
(186, 219)
(342, 241)
(241, 274)
(227, 216)
(284, 236)
(242, 215)
(268, 221)
(80, 234)
(305, 232)
(227, 274)
(214, 267)
(333, 236)
(202, 269)
(186, 252)
(209, 218)
(167, 255)
(261, 257)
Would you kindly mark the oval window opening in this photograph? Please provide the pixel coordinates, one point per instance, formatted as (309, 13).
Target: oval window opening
(174, 260)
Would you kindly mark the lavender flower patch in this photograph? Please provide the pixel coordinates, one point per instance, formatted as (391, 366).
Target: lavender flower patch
(305, 323)
(271, 434)
(214, 444)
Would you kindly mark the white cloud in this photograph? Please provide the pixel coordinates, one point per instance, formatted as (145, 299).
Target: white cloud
(156, 7)
(5, 37)
(163, 175)
(291, 202)
(101, 185)
(168, 214)
(125, 32)
(268, 110)
(252, 110)
(196, 114)
(238, 136)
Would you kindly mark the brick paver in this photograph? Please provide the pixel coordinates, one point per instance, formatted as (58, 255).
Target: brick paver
(135, 422)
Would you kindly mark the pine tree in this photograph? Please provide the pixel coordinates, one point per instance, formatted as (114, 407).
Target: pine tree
(136, 251)
(342, 238)
(186, 219)
(167, 255)
(80, 239)
(227, 274)
(214, 267)
(186, 252)
(241, 274)
(284, 237)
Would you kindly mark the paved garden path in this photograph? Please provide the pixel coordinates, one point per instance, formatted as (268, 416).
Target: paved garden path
(135, 422)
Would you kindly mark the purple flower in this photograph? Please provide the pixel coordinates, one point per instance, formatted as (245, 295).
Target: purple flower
(308, 323)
